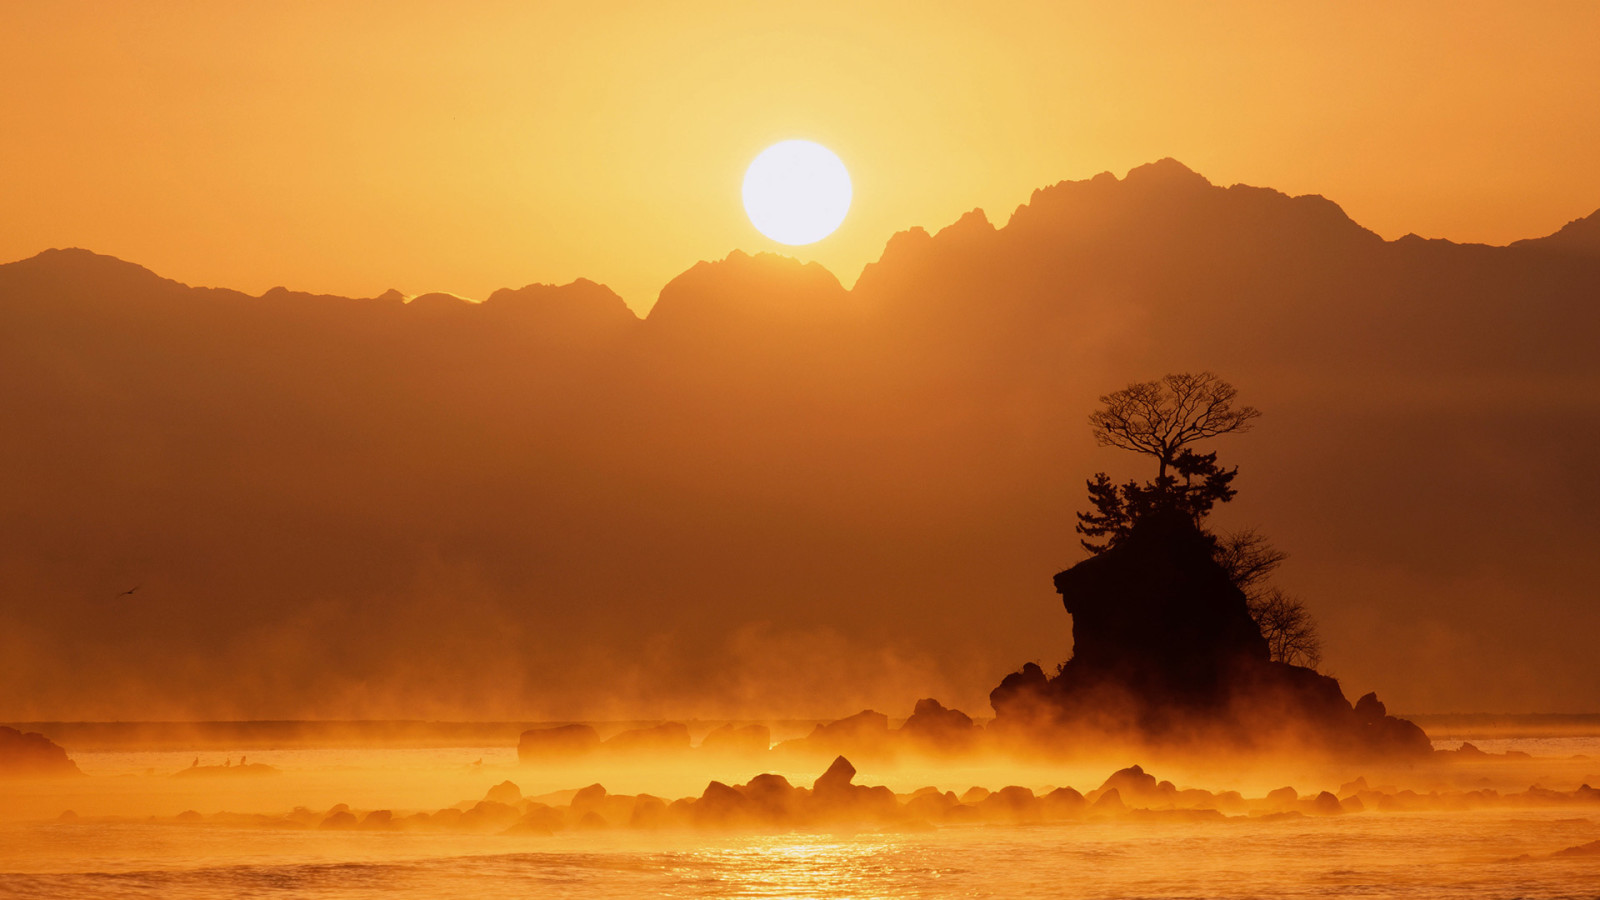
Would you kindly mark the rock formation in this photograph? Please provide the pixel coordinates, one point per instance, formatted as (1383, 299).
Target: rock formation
(935, 727)
(32, 754)
(1165, 652)
(737, 740)
(560, 741)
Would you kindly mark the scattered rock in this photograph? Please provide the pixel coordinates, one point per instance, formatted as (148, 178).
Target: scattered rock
(866, 731)
(668, 737)
(837, 778)
(936, 728)
(562, 741)
(742, 740)
(505, 792)
(338, 820)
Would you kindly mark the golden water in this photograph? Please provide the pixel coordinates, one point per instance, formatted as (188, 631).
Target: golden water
(1479, 853)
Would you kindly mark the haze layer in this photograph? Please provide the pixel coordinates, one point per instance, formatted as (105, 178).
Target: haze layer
(775, 496)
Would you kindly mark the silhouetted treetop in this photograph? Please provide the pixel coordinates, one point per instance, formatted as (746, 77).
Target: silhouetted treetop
(1160, 418)
(1118, 508)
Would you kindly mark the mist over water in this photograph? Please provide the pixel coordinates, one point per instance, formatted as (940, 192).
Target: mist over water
(138, 830)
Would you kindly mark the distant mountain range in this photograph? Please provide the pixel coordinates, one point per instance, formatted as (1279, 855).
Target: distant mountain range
(777, 495)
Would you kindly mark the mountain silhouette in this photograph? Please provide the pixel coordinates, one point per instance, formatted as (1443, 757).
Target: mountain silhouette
(1580, 237)
(775, 494)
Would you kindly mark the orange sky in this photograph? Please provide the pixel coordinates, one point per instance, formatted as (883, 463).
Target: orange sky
(348, 147)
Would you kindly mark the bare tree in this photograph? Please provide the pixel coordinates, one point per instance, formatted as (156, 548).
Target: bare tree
(1248, 559)
(1160, 418)
(1286, 624)
(1283, 619)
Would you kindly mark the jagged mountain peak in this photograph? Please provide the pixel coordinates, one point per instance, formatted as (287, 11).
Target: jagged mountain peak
(1579, 237)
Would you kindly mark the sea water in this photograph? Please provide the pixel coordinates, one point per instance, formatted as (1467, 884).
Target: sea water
(1477, 853)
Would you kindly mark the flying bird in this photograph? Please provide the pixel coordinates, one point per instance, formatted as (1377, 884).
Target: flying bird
(129, 591)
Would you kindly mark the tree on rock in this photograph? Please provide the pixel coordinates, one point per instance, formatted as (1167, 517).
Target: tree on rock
(1287, 625)
(1249, 559)
(1161, 419)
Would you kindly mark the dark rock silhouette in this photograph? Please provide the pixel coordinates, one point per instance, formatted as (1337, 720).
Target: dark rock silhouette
(1064, 803)
(866, 732)
(562, 740)
(1165, 651)
(337, 820)
(770, 803)
(30, 754)
(933, 726)
(837, 778)
(505, 792)
(740, 740)
(1137, 786)
(668, 737)
(1156, 616)
(834, 796)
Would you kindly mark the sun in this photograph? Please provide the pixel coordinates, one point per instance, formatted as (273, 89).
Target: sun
(796, 192)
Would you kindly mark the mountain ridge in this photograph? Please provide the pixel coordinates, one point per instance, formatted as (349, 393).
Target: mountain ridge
(1165, 181)
(774, 489)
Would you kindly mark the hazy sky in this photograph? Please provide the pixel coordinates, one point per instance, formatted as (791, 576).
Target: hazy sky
(348, 147)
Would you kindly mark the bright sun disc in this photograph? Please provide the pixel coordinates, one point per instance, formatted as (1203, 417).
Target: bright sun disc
(796, 192)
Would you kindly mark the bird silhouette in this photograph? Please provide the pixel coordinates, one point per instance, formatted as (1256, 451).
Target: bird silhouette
(129, 591)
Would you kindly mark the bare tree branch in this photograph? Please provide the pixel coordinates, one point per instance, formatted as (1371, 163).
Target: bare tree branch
(1159, 418)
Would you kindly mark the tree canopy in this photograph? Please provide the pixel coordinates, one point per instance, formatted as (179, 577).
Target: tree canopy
(1161, 418)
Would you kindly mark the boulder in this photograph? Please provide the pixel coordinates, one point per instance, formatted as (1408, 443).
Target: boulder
(772, 798)
(489, 816)
(865, 732)
(540, 819)
(339, 820)
(1023, 698)
(1063, 803)
(1138, 788)
(1109, 803)
(721, 806)
(834, 797)
(588, 799)
(1369, 709)
(668, 737)
(1011, 804)
(1323, 804)
(738, 740)
(935, 728)
(505, 792)
(561, 741)
(648, 812)
(931, 805)
(836, 779)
